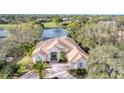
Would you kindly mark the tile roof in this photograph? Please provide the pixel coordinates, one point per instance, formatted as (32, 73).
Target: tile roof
(69, 46)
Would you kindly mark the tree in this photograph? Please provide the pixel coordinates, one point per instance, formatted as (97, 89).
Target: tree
(20, 41)
(41, 67)
(106, 62)
(92, 35)
(11, 70)
(84, 19)
(56, 20)
(72, 27)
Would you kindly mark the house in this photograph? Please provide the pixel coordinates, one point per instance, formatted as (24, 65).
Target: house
(120, 36)
(108, 23)
(49, 50)
(66, 20)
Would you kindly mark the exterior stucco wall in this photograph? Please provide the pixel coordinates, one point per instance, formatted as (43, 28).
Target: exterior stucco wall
(38, 57)
(81, 63)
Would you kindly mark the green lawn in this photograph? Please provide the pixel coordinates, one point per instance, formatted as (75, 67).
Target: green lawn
(49, 24)
(25, 61)
(5, 26)
(46, 24)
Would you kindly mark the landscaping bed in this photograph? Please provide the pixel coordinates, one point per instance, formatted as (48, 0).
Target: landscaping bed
(25, 64)
(78, 73)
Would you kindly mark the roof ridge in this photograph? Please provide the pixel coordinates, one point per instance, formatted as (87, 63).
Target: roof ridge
(74, 56)
(65, 43)
(56, 40)
(84, 55)
(44, 45)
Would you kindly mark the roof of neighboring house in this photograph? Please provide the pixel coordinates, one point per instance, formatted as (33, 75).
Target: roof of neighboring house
(68, 45)
(120, 36)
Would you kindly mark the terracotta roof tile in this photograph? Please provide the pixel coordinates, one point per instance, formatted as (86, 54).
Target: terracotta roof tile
(72, 49)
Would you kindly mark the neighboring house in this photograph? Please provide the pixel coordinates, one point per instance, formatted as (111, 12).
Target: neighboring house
(108, 23)
(120, 36)
(49, 50)
(43, 20)
(67, 19)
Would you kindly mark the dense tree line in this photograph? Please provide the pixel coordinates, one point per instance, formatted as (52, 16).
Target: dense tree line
(105, 53)
(20, 40)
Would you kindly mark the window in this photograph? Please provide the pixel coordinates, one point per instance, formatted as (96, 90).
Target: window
(80, 64)
(38, 58)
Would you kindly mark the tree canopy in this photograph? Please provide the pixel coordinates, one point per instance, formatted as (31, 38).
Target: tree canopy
(106, 62)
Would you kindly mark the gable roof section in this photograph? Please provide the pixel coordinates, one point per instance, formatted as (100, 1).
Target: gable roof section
(68, 45)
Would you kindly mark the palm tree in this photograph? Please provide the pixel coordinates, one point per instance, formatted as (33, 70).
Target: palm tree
(41, 67)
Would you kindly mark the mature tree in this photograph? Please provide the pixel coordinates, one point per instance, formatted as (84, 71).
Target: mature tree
(20, 40)
(41, 67)
(56, 20)
(106, 62)
(91, 35)
(73, 27)
(10, 70)
(84, 19)
(120, 46)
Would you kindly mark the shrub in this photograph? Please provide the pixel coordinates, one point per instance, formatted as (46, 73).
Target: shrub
(2, 64)
(72, 71)
(81, 72)
(55, 78)
(11, 69)
(47, 62)
(63, 57)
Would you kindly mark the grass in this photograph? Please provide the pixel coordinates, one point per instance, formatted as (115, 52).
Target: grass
(46, 24)
(25, 61)
(5, 26)
(49, 24)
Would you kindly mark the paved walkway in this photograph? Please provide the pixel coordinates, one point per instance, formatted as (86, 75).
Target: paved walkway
(56, 70)
(30, 75)
(59, 70)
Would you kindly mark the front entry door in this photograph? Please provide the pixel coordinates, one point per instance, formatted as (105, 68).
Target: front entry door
(54, 56)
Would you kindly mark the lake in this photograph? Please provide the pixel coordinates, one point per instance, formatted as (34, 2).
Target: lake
(54, 33)
(2, 33)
